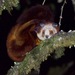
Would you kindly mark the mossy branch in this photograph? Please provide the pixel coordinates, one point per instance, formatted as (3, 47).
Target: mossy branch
(40, 53)
(8, 5)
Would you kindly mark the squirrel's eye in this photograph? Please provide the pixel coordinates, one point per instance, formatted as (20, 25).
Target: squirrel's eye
(43, 32)
(51, 32)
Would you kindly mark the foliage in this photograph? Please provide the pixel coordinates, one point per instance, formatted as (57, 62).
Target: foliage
(8, 5)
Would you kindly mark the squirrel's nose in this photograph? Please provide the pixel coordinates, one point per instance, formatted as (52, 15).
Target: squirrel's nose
(47, 36)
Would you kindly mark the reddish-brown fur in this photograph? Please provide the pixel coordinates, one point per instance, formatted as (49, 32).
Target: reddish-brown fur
(22, 38)
(36, 12)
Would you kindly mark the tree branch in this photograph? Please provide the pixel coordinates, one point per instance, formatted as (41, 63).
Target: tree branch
(40, 53)
(62, 12)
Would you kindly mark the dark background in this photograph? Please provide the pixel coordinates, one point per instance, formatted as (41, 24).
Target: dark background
(7, 21)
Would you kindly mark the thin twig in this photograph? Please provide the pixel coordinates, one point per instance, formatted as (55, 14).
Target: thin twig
(62, 12)
(43, 2)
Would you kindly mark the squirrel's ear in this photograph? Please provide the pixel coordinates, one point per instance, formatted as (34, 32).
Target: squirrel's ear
(42, 25)
(55, 25)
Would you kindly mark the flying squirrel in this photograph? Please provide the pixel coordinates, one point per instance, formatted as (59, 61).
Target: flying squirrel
(33, 26)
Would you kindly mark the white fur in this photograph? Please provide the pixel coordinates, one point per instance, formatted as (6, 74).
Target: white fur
(47, 29)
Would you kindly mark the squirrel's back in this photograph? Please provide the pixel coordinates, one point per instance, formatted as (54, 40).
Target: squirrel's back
(36, 12)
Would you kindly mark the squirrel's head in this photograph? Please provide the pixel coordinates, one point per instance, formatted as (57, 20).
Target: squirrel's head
(47, 30)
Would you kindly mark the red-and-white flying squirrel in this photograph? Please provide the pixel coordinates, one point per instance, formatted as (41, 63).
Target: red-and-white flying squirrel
(34, 25)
